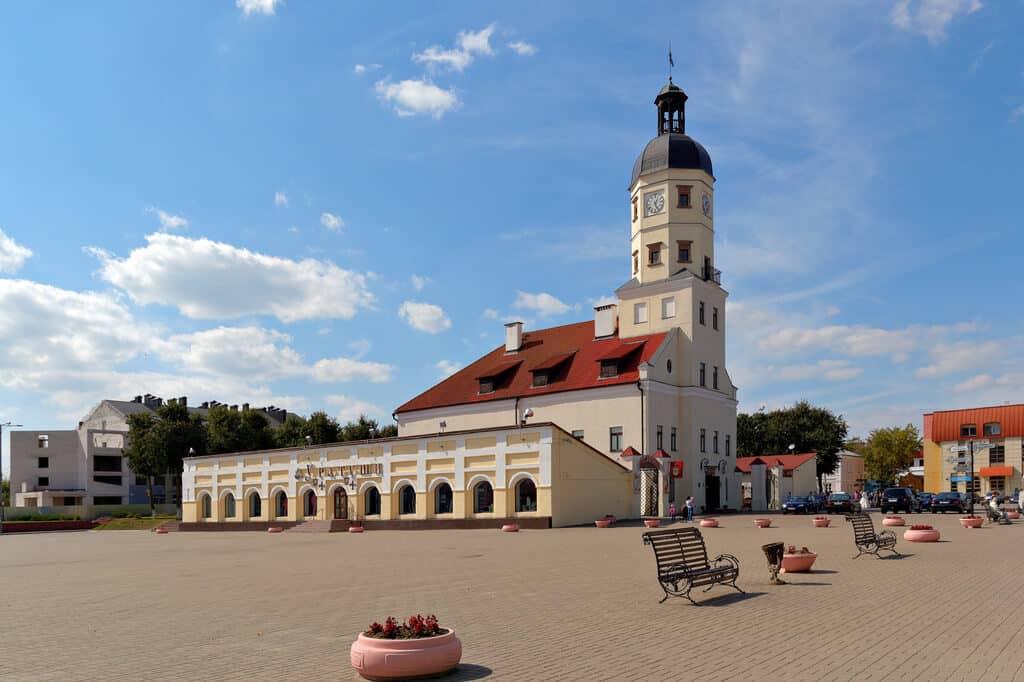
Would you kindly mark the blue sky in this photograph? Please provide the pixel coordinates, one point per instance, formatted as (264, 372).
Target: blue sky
(328, 206)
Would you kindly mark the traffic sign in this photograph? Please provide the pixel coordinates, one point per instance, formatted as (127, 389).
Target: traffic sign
(960, 479)
(958, 448)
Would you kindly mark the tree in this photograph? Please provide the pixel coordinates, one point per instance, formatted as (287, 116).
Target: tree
(292, 433)
(176, 435)
(322, 428)
(890, 451)
(234, 431)
(5, 493)
(808, 428)
(144, 458)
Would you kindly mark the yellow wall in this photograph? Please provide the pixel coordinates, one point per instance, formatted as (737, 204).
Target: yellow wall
(586, 486)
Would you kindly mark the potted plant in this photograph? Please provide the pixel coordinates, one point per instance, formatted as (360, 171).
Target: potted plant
(652, 523)
(1013, 514)
(603, 523)
(971, 521)
(417, 648)
(893, 521)
(797, 560)
(920, 533)
(822, 521)
(709, 523)
(763, 523)
(275, 529)
(510, 527)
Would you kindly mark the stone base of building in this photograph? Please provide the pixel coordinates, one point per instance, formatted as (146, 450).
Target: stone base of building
(342, 525)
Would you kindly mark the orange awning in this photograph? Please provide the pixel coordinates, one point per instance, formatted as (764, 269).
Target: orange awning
(996, 471)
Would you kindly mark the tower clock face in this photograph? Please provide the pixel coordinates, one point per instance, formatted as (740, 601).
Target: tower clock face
(706, 205)
(654, 203)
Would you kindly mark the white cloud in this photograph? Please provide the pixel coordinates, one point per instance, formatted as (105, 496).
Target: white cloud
(470, 43)
(478, 42)
(859, 340)
(168, 222)
(545, 304)
(360, 69)
(331, 222)
(205, 279)
(265, 7)
(523, 48)
(832, 310)
(412, 97)
(1017, 114)
(831, 370)
(280, 199)
(347, 369)
(360, 348)
(603, 300)
(419, 282)
(950, 358)
(447, 368)
(930, 18)
(490, 314)
(424, 317)
(349, 409)
(12, 254)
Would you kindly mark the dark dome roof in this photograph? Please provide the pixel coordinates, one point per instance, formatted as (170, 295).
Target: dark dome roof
(671, 150)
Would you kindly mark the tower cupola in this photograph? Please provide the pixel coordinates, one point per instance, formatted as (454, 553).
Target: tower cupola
(671, 103)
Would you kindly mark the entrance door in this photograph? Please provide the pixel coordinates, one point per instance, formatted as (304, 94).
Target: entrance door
(711, 493)
(648, 492)
(340, 504)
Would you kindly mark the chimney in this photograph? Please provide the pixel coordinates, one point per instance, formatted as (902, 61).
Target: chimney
(606, 320)
(183, 400)
(137, 399)
(234, 408)
(513, 337)
(245, 407)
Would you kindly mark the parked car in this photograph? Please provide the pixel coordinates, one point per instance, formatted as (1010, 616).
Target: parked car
(925, 499)
(839, 503)
(900, 500)
(944, 502)
(798, 505)
(819, 501)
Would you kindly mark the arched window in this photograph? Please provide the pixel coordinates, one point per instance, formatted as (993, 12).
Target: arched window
(229, 506)
(281, 503)
(407, 500)
(309, 503)
(372, 501)
(205, 502)
(526, 496)
(443, 499)
(483, 498)
(255, 506)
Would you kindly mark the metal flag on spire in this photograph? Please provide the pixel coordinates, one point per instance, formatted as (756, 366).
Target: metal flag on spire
(671, 63)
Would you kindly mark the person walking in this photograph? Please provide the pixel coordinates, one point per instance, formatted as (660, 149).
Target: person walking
(672, 511)
(690, 504)
(864, 502)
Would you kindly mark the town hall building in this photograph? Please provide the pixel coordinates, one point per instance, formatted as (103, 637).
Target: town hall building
(626, 413)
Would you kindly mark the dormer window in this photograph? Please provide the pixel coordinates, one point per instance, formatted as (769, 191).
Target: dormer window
(551, 369)
(609, 369)
(540, 378)
(497, 376)
(487, 385)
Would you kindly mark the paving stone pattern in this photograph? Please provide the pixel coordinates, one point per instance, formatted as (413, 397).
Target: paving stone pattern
(572, 604)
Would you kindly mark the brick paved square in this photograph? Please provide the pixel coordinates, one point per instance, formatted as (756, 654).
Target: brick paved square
(576, 603)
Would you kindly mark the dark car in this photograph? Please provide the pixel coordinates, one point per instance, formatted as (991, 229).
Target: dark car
(818, 500)
(944, 502)
(798, 505)
(839, 503)
(899, 500)
(925, 499)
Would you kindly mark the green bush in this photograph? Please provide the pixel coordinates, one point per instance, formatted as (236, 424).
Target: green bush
(45, 517)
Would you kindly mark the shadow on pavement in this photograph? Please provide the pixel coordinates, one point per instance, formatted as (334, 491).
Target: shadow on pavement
(468, 671)
(726, 599)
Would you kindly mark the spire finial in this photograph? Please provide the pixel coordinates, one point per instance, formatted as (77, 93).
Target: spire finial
(670, 62)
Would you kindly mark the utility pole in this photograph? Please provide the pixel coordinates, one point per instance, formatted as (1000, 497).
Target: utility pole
(970, 484)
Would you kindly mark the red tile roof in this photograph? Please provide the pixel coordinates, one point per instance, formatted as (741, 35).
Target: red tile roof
(945, 425)
(788, 462)
(539, 348)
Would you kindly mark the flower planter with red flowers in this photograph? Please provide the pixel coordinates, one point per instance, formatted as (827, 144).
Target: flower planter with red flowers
(893, 521)
(763, 523)
(709, 523)
(971, 521)
(652, 523)
(603, 523)
(797, 560)
(275, 529)
(396, 651)
(921, 533)
(510, 528)
(1013, 515)
(610, 518)
(822, 522)
(355, 529)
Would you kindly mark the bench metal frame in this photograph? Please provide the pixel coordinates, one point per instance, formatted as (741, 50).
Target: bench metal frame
(683, 563)
(867, 540)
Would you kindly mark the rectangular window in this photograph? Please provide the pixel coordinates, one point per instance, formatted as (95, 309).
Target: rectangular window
(109, 480)
(684, 196)
(992, 429)
(609, 369)
(43, 442)
(997, 454)
(668, 307)
(106, 463)
(714, 318)
(487, 385)
(967, 430)
(714, 378)
(106, 500)
(639, 313)
(654, 254)
(44, 462)
(70, 502)
(702, 373)
(540, 378)
(673, 439)
(728, 445)
(997, 484)
(44, 481)
(578, 433)
(703, 440)
(700, 312)
(683, 251)
(636, 261)
(615, 439)
(635, 208)
(714, 442)
(660, 436)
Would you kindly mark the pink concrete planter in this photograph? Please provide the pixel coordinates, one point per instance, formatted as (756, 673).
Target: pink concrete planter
(275, 529)
(652, 523)
(971, 521)
(399, 659)
(821, 522)
(610, 518)
(355, 529)
(797, 563)
(763, 523)
(921, 535)
(603, 523)
(893, 521)
(161, 531)
(1013, 515)
(510, 528)
(709, 523)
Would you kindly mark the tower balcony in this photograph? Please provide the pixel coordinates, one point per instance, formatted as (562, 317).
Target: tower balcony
(710, 274)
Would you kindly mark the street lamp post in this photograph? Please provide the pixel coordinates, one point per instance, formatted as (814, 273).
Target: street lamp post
(2, 425)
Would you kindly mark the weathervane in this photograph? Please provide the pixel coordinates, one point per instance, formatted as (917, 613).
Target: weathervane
(671, 63)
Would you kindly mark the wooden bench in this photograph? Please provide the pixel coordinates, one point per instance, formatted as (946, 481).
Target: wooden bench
(683, 563)
(867, 540)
